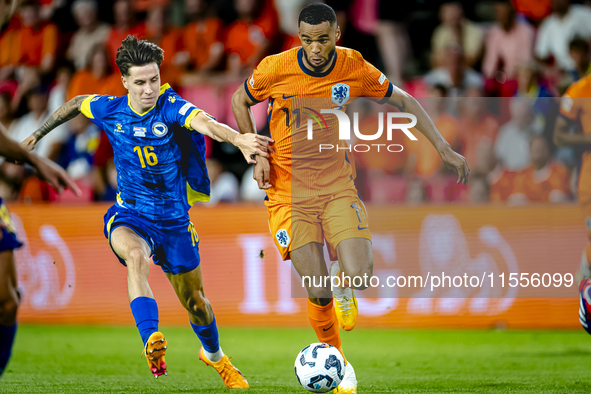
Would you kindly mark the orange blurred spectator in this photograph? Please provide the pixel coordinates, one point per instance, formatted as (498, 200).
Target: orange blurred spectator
(501, 184)
(544, 181)
(98, 78)
(476, 125)
(423, 159)
(535, 10)
(90, 33)
(9, 51)
(36, 41)
(145, 5)
(203, 36)
(248, 38)
(159, 31)
(124, 25)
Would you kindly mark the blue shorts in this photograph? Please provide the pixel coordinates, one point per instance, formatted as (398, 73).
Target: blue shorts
(174, 245)
(8, 239)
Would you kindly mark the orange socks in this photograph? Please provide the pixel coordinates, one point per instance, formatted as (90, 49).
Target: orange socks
(324, 322)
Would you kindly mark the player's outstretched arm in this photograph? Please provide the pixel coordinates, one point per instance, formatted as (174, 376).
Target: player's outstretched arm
(452, 160)
(241, 104)
(250, 145)
(68, 111)
(47, 170)
(563, 137)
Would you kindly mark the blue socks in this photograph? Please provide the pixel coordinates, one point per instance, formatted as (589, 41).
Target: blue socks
(145, 313)
(208, 335)
(6, 339)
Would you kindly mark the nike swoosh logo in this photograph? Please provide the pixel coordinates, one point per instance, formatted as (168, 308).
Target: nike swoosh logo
(361, 228)
(326, 329)
(288, 97)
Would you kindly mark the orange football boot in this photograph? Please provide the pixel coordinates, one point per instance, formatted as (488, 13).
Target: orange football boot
(232, 377)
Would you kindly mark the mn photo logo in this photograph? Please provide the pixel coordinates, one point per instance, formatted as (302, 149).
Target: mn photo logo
(345, 130)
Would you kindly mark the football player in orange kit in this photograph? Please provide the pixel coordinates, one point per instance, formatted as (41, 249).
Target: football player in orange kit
(311, 196)
(575, 111)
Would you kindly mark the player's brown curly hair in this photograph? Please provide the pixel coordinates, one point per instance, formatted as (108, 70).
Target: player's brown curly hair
(134, 52)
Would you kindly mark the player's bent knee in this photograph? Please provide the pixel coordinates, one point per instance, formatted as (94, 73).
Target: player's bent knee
(137, 261)
(198, 305)
(8, 309)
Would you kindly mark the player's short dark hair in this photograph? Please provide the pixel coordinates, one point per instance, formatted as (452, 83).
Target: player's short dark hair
(316, 13)
(137, 53)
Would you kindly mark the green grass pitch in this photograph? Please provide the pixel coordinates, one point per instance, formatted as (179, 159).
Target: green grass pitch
(58, 359)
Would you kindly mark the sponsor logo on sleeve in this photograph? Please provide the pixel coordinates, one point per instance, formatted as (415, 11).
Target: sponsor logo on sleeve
(382, 79)
(185, 108)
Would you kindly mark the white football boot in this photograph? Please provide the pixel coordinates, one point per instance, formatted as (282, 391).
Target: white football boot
(349, 383)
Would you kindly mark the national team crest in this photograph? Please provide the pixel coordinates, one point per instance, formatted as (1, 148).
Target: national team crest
(282, 238)
(340, 93)
(159, 129)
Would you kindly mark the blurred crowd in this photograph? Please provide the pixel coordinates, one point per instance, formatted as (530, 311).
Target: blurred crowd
(490, 74)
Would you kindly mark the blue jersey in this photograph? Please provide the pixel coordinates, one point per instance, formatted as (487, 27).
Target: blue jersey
(160, 159)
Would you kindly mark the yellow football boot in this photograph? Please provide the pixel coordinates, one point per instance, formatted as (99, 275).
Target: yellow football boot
(345, 304)
(154, 351)
(232, 377)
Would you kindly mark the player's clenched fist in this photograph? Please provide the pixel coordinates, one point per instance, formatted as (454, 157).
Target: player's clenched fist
(253, 144)
(457, 163)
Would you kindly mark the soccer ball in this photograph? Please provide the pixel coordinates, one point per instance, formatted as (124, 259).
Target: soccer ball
(319, 367)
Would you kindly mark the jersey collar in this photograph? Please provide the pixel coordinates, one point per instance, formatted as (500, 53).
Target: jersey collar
(162, 90)
(314, 73)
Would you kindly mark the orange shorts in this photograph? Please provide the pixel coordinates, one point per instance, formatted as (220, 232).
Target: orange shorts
(333, 218)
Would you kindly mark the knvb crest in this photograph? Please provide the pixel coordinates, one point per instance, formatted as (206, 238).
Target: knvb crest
(340, 93)
(282, 238)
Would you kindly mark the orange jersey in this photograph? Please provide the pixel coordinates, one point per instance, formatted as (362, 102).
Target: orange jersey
(501, 184)
(575, 105)
(296, 96)
(539, 185)
(198, 37)
(83, 82)
(35, 43)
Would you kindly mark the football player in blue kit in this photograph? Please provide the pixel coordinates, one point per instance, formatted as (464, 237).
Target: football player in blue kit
(158, 141)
